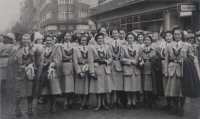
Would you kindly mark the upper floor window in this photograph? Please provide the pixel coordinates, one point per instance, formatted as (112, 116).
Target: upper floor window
(65, 2)
(83, 14)
(84, 1)
(63, 15)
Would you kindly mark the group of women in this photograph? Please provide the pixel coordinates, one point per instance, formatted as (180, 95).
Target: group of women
(124, 64)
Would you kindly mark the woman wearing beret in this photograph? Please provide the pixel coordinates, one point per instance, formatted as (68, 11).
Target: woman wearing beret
(177, 54)
(116, 68)
(102, 61)
(49, 72)
(83, 64)
(149, 55)
(168, 40)
(131, 60)
(67, 68)
(22, 59)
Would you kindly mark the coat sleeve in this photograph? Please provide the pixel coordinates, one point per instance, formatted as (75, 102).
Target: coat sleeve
(75, 61)
(122, 57)
(90, 61)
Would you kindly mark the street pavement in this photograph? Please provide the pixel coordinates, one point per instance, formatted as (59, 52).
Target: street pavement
(192, 111)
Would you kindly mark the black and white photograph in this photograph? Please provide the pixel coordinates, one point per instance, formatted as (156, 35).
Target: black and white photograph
(100, 59)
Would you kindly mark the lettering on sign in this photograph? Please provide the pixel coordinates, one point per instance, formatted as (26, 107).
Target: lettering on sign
(186, 7)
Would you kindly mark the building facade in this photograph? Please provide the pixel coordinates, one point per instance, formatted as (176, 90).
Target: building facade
(150, 15)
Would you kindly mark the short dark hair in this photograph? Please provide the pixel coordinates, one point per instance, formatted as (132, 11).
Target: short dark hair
(130, 33)
(83, 36)
(122, 30)
(164, 35)
(99, 34)
(139, 35)
(148, 37)
(99, 30)
(181, 31)
(67, 32)
(114, 29)
(48, 36)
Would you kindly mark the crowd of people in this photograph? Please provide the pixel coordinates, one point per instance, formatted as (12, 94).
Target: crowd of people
(124, 66)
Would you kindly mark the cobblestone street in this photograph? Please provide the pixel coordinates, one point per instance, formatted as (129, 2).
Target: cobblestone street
(192, 111)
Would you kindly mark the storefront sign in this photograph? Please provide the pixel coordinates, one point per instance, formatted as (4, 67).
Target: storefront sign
(186, 7)
(126, 2)
(62, 27)
(52, 27)
(82, 27)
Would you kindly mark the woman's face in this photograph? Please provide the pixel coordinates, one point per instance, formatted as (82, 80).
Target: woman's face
(140, 39)
(115, 34)
(100, 40)
(122, 34)
(67, 37)
(103, 30)
(130, 39)
(49, 41)
(25, 41)
(168, 37)
(147, 41)
(191, 41)
(177, 35)
(83, 41)
(39, 41)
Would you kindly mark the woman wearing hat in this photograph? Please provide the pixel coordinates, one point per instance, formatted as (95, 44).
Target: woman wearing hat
(150, 56)
(83, 64)
(116, 68)
(140, 37)
(132, 62)
(49, 73)
(168, 40)
(67, 68)
(177, 53)
(22, 59)
(102, 61)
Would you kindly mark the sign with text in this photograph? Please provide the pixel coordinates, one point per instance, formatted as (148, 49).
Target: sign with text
(186, 7)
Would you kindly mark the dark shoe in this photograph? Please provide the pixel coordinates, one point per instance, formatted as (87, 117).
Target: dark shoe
(149, 105)
(30, 111)
(135, 106)
(166, 107)
(47, 106)
(82, 107)
(40, 101)
(53, 109)
(18, 113)
(128, 106)
(87, 107)
(173, 111)
(120, 105)
(180, 112)
(105, 107)
(153, 106)
(97, 108)
(111, 105)
(65, 107)
(73, 106)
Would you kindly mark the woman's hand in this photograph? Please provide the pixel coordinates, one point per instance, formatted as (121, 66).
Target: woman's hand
(52, 65)
(166, 75)
(81, 74)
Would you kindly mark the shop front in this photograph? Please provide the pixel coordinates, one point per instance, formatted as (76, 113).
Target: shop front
(153, 16)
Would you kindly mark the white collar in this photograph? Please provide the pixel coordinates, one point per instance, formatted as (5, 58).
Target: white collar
(179, 42)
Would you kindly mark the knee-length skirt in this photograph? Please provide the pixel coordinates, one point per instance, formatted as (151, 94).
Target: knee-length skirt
(165, 79)
(117, 81)
(53, 87)
(148, 83)
(68, 83)
(102, 84)
(132, 83)
(82, 84)
(174, 87)
(24, 87)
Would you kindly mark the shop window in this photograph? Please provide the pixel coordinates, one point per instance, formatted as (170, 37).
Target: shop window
(135, 19)
(123, 27)
(123, 21)
(152, 16)
(129, 20)
(113, 23)
(103, 24)
(135, 26)
(129, 27)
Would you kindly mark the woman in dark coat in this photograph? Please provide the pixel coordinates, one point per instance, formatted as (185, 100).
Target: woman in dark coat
(149, 55)
(102, 61)
(23, 57)
(49, 73)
